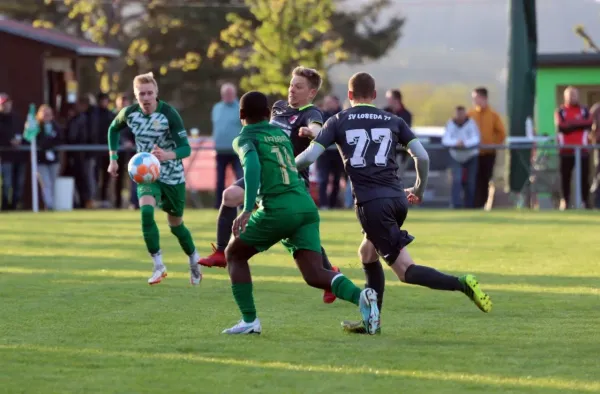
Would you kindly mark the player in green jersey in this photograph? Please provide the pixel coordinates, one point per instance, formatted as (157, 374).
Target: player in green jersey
(158, 129)
(286, 213)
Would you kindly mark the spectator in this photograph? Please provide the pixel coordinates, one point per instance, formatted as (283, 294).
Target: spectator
(462, 137)
(573, 122)
(226, 126)
(492, 132)
(127, 142)
(396, 106)
(330, 163)
(48, 163)
(79, 162)
(104, 117)
(13, 167)
(595, 113)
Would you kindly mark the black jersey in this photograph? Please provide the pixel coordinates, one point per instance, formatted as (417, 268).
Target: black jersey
(291, 119)
(366, 138)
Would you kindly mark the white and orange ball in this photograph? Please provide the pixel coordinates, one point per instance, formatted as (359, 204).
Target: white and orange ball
(144, 168)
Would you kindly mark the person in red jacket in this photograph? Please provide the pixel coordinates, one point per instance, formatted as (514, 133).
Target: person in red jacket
(573, 123)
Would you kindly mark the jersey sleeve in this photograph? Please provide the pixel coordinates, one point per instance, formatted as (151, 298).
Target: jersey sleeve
(404, 133)
(278, 107)
(246, 150)
(327, 135)
(118, 123)
(178, 134)
(314, 115)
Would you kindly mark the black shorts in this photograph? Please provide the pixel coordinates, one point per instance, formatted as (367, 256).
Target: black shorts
(381, 220)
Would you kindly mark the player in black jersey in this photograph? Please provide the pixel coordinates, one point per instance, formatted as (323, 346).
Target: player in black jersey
(366, 137)
(290, 116)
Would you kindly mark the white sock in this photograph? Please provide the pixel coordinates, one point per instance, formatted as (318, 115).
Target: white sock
(157, 258)
(194, 257)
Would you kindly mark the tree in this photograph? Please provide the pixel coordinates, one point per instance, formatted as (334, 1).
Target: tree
(169, 39)
(365, 37)
(280, 36)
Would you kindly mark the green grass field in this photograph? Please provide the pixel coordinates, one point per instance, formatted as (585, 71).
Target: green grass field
(76, 314)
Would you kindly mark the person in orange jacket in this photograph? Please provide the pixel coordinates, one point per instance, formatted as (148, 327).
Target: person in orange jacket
(492, 132)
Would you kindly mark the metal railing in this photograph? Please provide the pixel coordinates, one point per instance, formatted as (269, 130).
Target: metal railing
(539, 143)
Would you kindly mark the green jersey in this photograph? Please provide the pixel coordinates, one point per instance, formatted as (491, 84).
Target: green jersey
(280, 184)
(163, 127)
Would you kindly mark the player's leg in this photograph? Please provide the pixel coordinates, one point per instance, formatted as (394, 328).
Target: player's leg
(409, 272)
(233, 196)
(375, 279)
(257, 237)
(382, 220)
(328, 296)
(173, 203)
(305, 246)
(149, 197)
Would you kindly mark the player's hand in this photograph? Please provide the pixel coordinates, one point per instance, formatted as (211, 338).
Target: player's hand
(460, 144)
(413, 199)
(162, 155)
(113, 168)
(239, 224)
(305, 132)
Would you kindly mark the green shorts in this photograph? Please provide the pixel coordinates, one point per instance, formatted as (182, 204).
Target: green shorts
(298, 231)
(171, 198)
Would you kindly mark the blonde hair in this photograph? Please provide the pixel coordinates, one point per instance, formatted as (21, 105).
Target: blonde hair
(312, 76)
(39, 116)
(143, 79)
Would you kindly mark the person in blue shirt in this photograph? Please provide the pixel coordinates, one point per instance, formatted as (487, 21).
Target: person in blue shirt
(226, 126)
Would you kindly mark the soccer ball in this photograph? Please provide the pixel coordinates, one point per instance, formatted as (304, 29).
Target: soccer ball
(144, 167)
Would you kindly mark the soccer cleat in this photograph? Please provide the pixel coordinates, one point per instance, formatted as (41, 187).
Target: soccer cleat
(216, 259)
(328, 296)
(157, 275)
(473, 291)
(244, 328)
(369, 310)
(195, 275)
(356, 327)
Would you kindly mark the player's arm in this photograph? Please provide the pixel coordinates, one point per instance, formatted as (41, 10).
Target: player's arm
(179, 136)
(418, 154)
(421, 158)
(324, 139)
(314, 124)
(118, 124)
(246, 151)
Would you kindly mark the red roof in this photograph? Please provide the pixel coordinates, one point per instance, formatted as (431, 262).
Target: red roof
(58, 39)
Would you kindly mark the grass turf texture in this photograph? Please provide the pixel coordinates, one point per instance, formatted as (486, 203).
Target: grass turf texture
(77, 315)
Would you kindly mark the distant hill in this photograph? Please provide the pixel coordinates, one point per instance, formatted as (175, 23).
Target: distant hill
(466, 41)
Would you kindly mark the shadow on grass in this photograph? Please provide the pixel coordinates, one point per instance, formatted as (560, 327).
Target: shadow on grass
(560, 287)
(479, 381)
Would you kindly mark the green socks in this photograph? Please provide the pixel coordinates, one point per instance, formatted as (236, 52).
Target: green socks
(185, 238)
(242, 292)
(344, 289)
(150, 229)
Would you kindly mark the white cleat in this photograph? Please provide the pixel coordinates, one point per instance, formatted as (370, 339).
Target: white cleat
(157, 275)
(244, 328)
(195, 274)
(369, 310)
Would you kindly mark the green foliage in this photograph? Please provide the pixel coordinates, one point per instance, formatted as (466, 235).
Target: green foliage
(366, 37)
(279, 36)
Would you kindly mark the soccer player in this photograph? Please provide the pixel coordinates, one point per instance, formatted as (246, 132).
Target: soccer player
(290, 116)
(158, 129)
(286, 213)
(366, 136)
